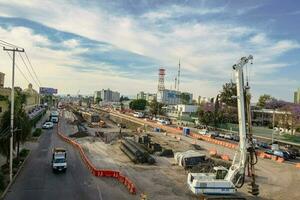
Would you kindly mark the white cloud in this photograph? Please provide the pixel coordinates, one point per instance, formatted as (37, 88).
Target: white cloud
(72, 43)
(178, 11)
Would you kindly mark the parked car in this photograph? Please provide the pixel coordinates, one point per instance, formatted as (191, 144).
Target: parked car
(213, 134)
(228, 136)
(263, 145)
(138, 114)
(236, 138)
(292, 154)
(292, 150)
(269, 151)
(47, 125)
(282, 154)
(203, 132)
(221, 135)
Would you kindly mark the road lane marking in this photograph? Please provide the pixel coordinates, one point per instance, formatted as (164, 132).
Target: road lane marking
(99, 192)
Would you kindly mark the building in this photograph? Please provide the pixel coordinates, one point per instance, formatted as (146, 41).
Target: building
(172, 97)
(32, 97)
(97, 94)
(2, 76)
(109, 96)
(4, 96)
(283, 120)
(297, 96)
(141, 95)
(147, 96)
(181, 110)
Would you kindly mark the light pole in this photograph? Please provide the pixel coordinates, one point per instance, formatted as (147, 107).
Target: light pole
(273, 126)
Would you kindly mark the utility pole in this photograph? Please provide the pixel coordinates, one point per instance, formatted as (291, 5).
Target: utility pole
(12, 104)
(273, 123)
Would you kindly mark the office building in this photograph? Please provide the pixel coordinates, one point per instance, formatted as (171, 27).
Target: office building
(173, 97)
(147, 96)
(297, 96)
(109, 96)
(97, 95)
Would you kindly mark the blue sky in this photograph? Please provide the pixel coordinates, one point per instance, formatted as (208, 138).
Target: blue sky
(89, 45)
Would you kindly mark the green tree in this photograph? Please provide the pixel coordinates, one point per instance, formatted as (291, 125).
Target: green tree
(98, 99)
(227, 94)
(185, 98)
(156, 108)
(122, 98)
(206, 117)
(264, 99)
(138, 104)
(21, 122)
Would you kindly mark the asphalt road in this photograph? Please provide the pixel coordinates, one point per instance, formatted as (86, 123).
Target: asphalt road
(37, 181)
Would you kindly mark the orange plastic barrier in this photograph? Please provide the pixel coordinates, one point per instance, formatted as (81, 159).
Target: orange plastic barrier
(280, 160)
(100, 172)
(274, 158)
(225, 157)
(298, 165)
(213, 152)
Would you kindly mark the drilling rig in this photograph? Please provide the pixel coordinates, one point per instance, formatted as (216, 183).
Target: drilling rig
(218, 184)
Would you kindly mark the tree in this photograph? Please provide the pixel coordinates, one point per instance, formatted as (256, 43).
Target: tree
(156, 108)
(264, 99)
(185, 98)
(138, 104)
(98, 99)
(21, 122)
(122, 98)
(227, 94)
(275, 104)
(205, 117)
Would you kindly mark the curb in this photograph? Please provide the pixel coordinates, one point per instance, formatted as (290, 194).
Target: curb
(14, 177)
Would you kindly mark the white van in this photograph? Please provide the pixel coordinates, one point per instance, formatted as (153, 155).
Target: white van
(138, 114)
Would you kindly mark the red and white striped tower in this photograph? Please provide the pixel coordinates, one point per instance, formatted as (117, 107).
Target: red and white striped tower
(161, 79)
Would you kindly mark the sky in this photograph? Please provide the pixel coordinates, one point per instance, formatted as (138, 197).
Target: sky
(80, 46)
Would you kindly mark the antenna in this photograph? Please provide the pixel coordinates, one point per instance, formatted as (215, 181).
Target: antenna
(175, 83)
(178, 79)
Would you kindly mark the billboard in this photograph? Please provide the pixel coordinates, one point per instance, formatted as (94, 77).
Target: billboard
(46, 90)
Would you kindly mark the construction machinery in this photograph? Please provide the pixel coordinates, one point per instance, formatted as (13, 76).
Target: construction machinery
(215, 183)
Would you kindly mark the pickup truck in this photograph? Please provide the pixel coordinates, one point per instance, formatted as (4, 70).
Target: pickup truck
(59, 160)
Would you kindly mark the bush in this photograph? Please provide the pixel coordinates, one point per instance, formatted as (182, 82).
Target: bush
(37, 132)
(2, 184)
(24, 153)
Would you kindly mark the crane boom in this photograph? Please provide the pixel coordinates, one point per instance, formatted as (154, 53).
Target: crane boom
(238, 167)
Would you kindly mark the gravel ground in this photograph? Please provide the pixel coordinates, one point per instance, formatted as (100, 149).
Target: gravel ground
(165, 180)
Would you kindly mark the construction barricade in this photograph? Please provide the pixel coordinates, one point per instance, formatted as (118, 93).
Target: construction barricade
(100, 172)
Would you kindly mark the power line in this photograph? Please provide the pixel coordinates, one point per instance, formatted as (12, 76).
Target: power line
(19, 68)
(38, 83)
(10, 44)
(28, 70)
(32, 68)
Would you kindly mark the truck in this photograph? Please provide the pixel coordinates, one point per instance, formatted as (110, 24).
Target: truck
(59, 160)
(54, 116)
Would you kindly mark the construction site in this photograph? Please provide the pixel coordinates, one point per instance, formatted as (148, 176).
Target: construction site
(147, 157)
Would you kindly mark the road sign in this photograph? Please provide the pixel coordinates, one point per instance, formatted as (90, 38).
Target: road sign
(46, 90)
